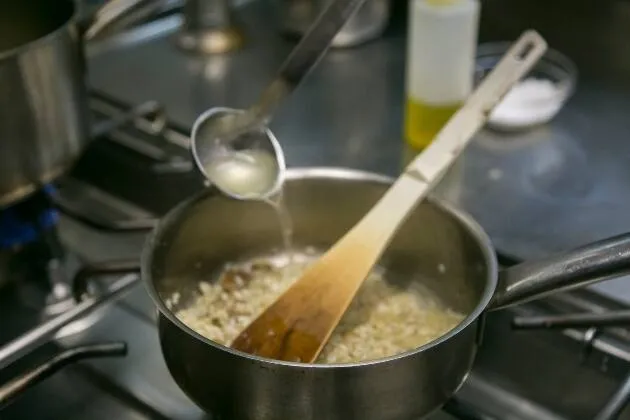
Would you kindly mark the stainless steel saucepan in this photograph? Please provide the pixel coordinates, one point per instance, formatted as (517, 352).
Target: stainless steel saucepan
(43, 101)
(196, 238)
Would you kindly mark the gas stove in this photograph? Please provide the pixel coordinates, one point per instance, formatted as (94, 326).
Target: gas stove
(519, 375)
(138, 167)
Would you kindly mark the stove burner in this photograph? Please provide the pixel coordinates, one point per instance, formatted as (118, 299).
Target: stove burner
(22, 223)
(33, 259)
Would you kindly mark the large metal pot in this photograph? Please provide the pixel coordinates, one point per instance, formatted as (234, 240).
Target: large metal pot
(196, 238)
(43, 104)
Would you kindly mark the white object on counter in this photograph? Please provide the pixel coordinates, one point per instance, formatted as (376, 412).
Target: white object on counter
(441, 50)
(532, 102)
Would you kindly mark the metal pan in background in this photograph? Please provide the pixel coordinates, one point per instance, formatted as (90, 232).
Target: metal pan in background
(44, 121)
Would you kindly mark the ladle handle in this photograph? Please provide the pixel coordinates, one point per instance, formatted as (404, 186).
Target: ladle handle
(305, 55)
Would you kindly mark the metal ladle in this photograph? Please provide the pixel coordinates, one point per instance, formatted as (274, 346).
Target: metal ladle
(221, 133)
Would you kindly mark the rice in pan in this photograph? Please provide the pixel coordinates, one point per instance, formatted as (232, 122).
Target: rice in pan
(383, 320)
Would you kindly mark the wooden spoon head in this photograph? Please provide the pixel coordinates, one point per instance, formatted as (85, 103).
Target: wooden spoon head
(297, 325)
(282, 334)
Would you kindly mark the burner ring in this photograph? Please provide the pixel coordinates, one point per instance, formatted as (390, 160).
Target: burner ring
(22, 223)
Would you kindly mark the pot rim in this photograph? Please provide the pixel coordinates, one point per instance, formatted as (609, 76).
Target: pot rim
(174, 214)
(44, 39)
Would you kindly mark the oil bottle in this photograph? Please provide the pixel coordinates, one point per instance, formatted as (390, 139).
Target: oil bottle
(441, 45)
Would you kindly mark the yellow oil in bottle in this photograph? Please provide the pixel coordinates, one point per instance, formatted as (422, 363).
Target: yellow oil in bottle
(423, 121)
(440, 65)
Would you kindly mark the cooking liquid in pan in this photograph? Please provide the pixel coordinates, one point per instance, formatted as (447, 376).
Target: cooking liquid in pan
(286, 224)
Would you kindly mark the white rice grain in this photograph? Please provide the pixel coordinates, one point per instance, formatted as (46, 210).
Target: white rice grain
(383, 320)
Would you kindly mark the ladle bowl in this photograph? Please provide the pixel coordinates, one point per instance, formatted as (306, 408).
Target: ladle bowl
(218, 132)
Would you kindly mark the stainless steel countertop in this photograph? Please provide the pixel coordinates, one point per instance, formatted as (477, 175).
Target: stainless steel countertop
(549, 189)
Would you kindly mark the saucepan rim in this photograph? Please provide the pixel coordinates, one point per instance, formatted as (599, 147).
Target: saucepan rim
(475, 229)
(44, 39)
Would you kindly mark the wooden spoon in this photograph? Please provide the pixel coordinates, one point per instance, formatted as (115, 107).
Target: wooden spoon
(297, 325)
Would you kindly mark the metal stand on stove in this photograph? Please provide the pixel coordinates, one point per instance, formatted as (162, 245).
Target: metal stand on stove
(592, 322)
(67, 303)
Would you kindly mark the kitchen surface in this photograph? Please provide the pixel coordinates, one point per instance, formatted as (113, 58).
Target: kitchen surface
(348, 113)
(535, 192)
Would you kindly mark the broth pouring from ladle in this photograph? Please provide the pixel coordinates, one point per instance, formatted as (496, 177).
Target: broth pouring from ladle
(243, 165)
(246, 165)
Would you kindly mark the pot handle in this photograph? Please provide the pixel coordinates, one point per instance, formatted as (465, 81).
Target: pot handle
(592, 263)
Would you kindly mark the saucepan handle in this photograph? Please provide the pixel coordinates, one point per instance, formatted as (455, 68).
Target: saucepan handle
(586, 265)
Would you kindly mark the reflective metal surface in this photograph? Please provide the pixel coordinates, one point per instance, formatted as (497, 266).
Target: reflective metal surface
(617, 403)
(43, 109)
(209, 27)
(530, 191)
(583, 320)
(24, 344)
(219, 131)
(602, 260)
(561, 185)
(19, 385)
(43, 119)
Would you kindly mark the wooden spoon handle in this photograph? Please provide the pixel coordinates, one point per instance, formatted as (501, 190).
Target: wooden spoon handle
(426, 170)
(448, 144)
(298, 324)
